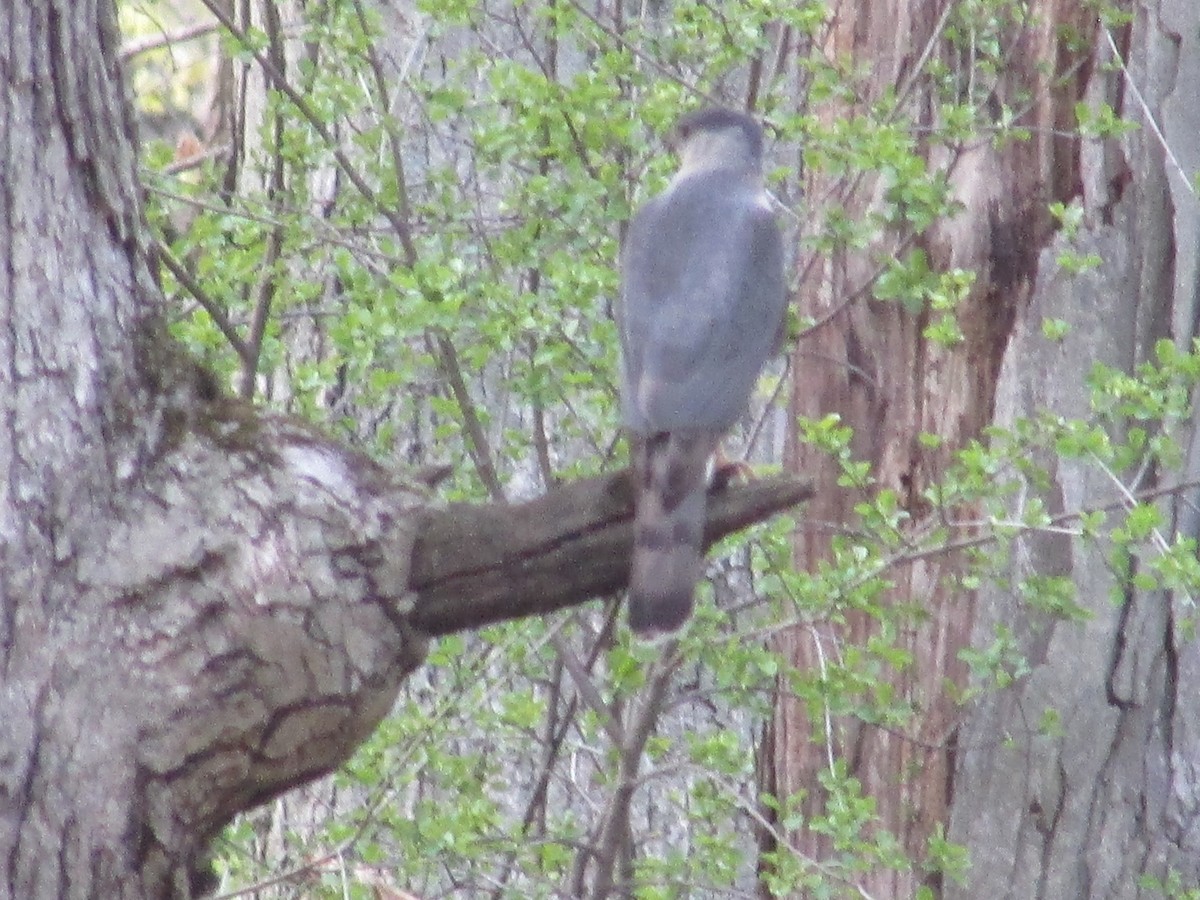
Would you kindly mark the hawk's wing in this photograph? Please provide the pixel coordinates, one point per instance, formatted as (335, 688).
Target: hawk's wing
(702, 303)
(702, 308)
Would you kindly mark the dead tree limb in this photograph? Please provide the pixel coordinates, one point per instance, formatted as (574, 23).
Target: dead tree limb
(476, 565)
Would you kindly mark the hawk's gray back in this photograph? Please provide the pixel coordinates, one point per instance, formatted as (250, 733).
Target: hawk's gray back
(702, 303)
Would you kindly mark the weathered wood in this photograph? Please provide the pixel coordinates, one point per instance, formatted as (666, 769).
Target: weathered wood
(872, 363)
(475, 565)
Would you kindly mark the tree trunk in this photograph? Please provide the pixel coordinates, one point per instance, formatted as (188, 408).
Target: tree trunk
(199, 608)
(1088, 809)
(872, 363)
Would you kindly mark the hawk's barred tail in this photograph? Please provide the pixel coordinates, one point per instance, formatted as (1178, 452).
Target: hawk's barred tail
(670, 473)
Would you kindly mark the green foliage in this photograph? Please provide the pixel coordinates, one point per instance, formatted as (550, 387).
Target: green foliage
(1055, 329)
(1171, 887)
(1101, 121)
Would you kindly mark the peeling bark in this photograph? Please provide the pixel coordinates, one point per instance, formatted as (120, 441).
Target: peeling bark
(871, 363)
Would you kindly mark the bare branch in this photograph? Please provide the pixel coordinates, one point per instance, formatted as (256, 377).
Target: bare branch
(185, 33)
(476, 565)
(613, 841)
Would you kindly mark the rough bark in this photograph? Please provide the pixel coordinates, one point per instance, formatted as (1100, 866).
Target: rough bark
(1087, 811)
(200, 606)
(234, 629)
(871, 363)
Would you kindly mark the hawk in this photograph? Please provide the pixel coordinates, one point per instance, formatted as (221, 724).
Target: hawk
(702, 309)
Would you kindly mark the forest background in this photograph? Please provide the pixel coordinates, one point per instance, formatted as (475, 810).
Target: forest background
(959, 671)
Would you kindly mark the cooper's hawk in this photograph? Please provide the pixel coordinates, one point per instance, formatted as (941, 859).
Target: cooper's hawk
(702, 309)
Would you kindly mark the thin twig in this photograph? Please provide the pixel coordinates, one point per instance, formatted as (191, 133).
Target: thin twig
(214, 309)
(1137, 95)
(616, 828)
(153, 42)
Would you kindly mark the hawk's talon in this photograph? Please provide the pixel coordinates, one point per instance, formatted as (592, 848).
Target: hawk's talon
(727, 471)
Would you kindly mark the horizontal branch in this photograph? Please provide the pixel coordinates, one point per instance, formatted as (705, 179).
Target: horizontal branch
(476, 565)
